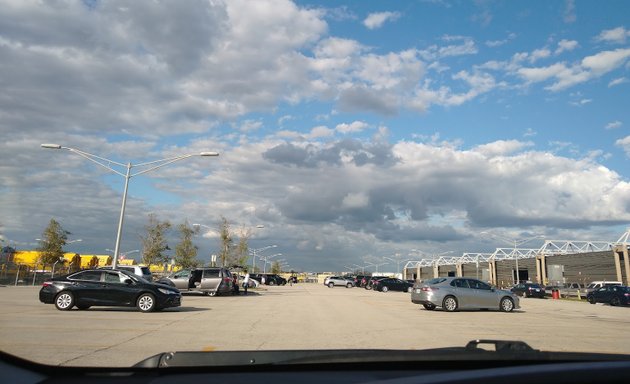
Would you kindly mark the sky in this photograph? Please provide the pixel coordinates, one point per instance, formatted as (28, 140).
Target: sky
(351, 130)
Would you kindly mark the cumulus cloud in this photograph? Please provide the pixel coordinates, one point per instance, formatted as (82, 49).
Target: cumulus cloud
(502, 147)
(355, 126)
(376, 20)
(616, 35)
(565, 45)
(567, 76)
(614, 124)
(624, 144)
(617, 81)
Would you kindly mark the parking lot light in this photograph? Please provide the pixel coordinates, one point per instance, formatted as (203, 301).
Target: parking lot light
(109, 164)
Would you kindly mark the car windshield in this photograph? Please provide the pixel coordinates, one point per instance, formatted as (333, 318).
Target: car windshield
(311, 175)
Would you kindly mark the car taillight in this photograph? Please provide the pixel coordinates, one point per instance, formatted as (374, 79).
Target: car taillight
(429, 289)
(47, 283)
(626, 294)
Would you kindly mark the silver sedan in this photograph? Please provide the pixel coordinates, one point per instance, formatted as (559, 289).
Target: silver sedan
(453, 293)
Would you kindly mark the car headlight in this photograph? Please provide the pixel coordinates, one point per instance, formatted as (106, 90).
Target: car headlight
(167, 291)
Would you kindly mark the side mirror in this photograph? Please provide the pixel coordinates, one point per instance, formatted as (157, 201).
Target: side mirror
(493, 289)
(128, 281)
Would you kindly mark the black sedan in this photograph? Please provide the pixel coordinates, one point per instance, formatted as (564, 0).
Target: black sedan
(610, 294)
(99, 287)
(392, 284)
(529, 290)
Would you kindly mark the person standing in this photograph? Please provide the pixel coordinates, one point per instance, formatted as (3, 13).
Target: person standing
(246, 283)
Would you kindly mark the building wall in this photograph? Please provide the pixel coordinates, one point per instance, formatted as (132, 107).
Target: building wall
(575, 268)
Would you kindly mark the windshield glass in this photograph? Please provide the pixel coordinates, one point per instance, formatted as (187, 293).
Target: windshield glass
(244, 152)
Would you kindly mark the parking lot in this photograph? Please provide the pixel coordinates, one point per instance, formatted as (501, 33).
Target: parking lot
(302, 316)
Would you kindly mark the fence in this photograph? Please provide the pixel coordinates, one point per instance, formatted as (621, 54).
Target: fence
(20, 274)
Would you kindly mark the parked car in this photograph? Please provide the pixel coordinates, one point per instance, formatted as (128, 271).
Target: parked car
(572, 289)
(338, 281)
(370, 282)
(207, 280)
(358, 280)
(137, 270)
(610, 294)
(99, 287)
(269, 278)
(529, 290)
(598, 284)
(453, 293)
(392, 284)
(251, 283)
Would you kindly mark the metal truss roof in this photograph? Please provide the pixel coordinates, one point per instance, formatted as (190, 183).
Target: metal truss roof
(549, 248)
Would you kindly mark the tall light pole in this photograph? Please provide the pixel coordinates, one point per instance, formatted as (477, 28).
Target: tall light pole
(254, 252)
(516, 243)
(266, 258)
(397, 260)
(107, 163)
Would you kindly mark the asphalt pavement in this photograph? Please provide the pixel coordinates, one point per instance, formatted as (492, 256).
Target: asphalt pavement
(302, 316)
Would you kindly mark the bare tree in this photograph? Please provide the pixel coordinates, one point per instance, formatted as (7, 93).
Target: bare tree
(226, 243)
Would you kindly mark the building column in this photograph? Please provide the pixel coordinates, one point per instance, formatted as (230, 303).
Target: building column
(419, 276)
(617, 264)
(459, 270)
(626, 264)
(436, 271)
(538, 275)
(492, 271)
(543, 269)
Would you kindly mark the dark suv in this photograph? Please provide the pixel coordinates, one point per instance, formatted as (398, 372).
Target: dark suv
(529, 290)
(270, 278)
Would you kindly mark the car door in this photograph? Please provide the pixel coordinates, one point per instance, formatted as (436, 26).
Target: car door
(399, 285)
(462, 292)
(483, 294)
(181, 279)
(116, 291)
(210, 279)
(86, 287)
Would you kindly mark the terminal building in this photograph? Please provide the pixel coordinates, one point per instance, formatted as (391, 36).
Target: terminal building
(557, 262)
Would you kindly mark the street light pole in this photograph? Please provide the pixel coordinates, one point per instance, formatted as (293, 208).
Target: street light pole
(107, 163)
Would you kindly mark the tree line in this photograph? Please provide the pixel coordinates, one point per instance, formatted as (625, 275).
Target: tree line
(155, 245)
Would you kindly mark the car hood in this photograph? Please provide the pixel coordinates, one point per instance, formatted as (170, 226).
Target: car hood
(506, 350)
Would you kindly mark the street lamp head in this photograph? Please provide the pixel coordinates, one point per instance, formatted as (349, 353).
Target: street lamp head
(51, 146)
(209, 154)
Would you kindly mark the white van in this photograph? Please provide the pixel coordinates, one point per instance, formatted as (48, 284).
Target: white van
(598, 284)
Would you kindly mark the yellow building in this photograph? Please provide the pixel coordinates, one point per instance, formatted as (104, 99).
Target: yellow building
(32, 259)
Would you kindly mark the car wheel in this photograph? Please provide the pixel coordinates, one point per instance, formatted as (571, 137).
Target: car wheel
(83, 307)
(506, 305)
(429, 307)
(64, 301)
(384, 289)
(146, 302)
(212, 294)
(615, 301)
(591, 299)
(450, 304)
(272, 282)
(331, 285)
(348, 285)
